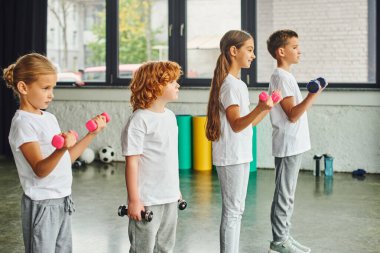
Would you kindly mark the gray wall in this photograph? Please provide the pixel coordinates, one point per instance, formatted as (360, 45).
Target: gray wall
(344, 123)
(333, 37)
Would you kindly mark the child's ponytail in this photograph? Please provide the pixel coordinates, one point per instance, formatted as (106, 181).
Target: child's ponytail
(213, 119)
(8, 77)
(231, 38)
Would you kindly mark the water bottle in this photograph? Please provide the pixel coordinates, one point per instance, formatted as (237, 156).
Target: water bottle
(317, 170)
(329, 171)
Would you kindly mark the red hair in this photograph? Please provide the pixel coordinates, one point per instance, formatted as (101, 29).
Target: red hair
(149, 80)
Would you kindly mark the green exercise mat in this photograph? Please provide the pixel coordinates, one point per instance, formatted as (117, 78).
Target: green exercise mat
(253, 165)
(184, 141)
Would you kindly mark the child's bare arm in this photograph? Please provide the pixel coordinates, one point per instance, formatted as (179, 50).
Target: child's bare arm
(44, 166)
(131, 170)
(238, 123)
(81, 145)
(293, 111)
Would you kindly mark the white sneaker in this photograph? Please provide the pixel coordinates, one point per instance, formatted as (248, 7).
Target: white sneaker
(299, 245)
(284, 247)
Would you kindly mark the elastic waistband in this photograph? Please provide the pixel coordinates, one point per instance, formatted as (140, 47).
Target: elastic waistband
(67, 201)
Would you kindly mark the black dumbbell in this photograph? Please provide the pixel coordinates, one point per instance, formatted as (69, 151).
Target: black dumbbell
(314, 85)
(182, 204)
(145, 215)
(77, 164)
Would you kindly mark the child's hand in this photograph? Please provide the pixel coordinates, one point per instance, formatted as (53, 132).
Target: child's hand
(100, 120)
(272, 100)
(70, 139)
(266, 105)
(134, 210)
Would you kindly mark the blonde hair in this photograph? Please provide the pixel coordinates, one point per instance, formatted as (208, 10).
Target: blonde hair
(27, 68)
(149, 80)
(235, 38)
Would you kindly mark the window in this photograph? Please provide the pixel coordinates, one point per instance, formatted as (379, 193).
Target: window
(204, 31)
(76, 38)
(336, 38)
(103, 44)
(142, 34)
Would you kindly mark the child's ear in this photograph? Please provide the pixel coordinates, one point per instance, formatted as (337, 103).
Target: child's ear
(281, 51)
(22, 88)
(233, 51)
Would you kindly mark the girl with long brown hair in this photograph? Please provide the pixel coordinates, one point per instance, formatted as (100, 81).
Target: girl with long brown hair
(229, 127)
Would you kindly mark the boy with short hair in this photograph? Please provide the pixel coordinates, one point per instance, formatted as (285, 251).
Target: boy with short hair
(290, 137)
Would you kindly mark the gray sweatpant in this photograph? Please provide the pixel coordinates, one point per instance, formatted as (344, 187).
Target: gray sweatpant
(157, 236)
(46, 225)
(287, 169)
(233, 185)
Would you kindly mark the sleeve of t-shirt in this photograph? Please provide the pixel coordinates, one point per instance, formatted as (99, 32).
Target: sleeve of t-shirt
(23, 133)
(132, 138)
(229, 95)
(284, 85)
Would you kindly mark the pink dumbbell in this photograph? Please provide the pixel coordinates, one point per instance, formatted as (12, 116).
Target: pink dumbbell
(275, 96)
(58, 140)
(91, 124)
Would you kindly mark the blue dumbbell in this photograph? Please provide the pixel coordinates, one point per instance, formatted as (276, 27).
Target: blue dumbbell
(314, 85)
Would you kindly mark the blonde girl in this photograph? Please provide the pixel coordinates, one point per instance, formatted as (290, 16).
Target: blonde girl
(44, 172)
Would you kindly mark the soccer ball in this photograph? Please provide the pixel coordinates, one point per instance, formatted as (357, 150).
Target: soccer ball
(87, 156)
(106, 154)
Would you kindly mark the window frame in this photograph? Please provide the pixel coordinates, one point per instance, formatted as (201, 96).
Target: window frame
(177, 47)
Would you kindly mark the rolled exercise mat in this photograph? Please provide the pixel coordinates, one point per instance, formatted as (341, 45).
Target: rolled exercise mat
(184, 141)
(201, 145)
(253, 165)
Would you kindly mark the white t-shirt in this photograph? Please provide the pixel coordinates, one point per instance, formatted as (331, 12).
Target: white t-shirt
(30, 127)
(287, 138)
(233, 148)
(154, 136)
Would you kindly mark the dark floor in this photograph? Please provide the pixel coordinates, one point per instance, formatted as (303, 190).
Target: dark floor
(338, 216)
